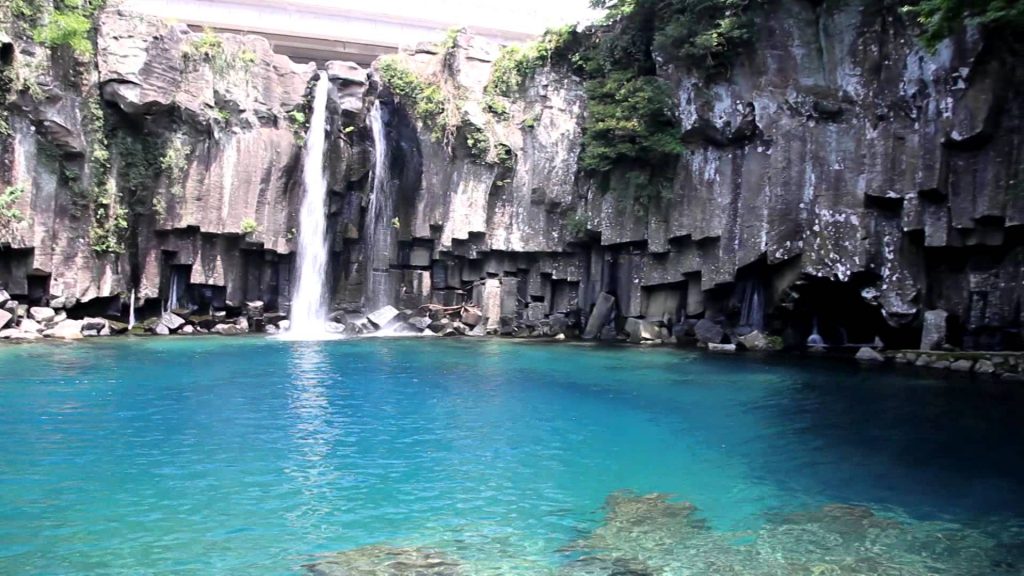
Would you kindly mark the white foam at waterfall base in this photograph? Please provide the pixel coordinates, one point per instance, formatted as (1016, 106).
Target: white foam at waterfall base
(308, 317)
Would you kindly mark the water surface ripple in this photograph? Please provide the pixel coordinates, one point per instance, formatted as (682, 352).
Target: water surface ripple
(255, 456)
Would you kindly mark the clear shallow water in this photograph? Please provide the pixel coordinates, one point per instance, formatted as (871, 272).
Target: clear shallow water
(253, 456)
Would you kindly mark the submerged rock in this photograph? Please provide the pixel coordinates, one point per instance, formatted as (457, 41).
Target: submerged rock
(601, 566)
(386, 561)
(638, 526)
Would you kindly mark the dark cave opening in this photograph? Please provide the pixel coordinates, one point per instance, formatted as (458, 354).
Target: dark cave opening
(842, 314)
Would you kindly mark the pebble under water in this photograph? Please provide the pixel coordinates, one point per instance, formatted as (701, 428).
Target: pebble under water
(488, 457)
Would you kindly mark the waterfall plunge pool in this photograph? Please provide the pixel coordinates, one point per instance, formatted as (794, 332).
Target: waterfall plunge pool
(260, 456)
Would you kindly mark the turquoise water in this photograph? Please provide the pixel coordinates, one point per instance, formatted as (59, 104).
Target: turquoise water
(254, 456)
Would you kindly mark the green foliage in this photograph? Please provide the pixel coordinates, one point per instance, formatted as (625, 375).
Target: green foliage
(7, 81)
(497, 106)
(24, 77)
(485, 148)
(516, 62)
(109, 218)
(426, 99)
(140, 163)
(248, 226)
(208, 49)
(247, 57)
(629, 120)
(66, 28)
(477, 141)
(110, 225)
(299, 123)
(174, 164)
(207, 46)
(450, 48)
(69, 23)
(940, 19)
(9, 215)
(99, 153)
(704, 34)
(29, 11)
(451, 40)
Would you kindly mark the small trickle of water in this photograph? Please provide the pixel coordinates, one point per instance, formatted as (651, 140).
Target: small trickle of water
(308, 311)
(815, 340)
(379, 217)
(131, 310)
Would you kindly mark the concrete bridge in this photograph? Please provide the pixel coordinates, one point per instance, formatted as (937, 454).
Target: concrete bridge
(321, 30)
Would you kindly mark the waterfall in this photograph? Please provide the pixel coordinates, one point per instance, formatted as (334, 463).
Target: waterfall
(815, 340)
(308, 311)
(752, 305)
(131, 310)
(172, 297)
(378, 228)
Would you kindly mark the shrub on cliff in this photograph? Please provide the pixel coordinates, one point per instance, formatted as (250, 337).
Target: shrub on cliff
(424, 98)
(67, 23)
(940, 19)
(629, 119)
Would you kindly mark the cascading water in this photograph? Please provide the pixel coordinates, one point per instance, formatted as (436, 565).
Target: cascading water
(378, 227)
(172, 297)
(815, 341)
(752, 304)
(308, 313)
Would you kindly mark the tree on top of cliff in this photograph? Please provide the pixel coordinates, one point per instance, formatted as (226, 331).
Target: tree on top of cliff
(940, 19)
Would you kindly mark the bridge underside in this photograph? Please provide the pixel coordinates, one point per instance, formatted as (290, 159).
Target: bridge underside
(304, 49)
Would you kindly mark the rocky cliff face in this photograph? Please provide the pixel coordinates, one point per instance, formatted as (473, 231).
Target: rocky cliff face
(842, 180)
